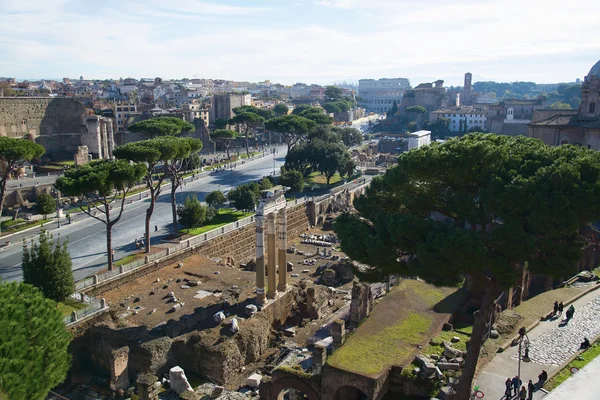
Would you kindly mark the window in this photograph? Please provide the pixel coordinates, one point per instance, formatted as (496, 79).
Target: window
(592, 108)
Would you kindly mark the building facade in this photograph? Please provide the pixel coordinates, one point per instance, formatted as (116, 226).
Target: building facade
(377, 96)
(122, 113)
(459, 116)
(223, 105)
(582, 128)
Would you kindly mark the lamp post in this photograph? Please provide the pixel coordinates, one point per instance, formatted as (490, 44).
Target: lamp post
(523, 335)
(57, 192)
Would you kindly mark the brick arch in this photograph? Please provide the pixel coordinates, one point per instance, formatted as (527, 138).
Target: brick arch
(290, 382)
(348, 392)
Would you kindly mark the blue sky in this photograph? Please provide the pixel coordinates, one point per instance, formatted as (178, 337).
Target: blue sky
(312, 41)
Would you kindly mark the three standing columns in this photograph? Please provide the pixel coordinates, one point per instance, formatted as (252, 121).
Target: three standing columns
(277, 254)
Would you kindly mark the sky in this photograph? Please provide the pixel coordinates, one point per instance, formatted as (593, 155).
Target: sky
(310, 41)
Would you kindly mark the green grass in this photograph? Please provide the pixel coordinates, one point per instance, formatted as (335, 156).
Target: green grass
(67, 306)
(224, 217)
(369, 355)
(583, 360)
(10, 223)
(252, 154)
(13, 228)
(65, 162)
(318, 178)
(127, 259)
(447, 336)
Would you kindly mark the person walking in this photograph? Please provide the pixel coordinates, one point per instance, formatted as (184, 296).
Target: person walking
(531, 388)
(560, 308)
(508, 390)
(516, 384)
(523, 393)
(555, 308)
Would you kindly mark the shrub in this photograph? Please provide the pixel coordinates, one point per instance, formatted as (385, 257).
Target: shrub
(215, 198)
(192, 214)
(293, 179)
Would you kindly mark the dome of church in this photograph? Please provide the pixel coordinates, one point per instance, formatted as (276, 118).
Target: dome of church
(595, 70)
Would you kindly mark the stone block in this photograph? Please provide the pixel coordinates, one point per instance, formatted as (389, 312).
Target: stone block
(455, 339)
(448, 366)
(447, 326)
(178, 380)
(119, 371)
(446, 392)
(494, 334)
(254, 380)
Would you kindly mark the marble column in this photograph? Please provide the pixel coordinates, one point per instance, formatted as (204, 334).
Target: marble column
(282, 249)
(272, 257)
(260, 259)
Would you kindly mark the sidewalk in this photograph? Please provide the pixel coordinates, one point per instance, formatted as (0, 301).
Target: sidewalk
(551, 344)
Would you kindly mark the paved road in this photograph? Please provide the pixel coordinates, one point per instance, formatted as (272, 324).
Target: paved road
(86, 236)
(552, 343)
(49, 178)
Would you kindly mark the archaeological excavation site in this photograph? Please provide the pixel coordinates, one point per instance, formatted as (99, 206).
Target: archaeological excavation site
(272, 310)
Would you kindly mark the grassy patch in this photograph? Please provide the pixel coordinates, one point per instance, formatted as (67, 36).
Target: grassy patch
(295, 370)
(20, 226)
(244, 156)
(224, 217)
(67, 306)
(10, 223)
(371, 354)
(318, 178)
(565, 373)
(438, 347)
(128, 259)
(72, 162)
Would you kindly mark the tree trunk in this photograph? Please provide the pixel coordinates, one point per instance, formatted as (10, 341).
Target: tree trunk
(174, 204)
(149, 212)
(109, 244)
(481, 316)
(247, 149)
(3, 182)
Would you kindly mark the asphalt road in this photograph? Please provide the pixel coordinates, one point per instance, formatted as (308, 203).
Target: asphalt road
(87, 237)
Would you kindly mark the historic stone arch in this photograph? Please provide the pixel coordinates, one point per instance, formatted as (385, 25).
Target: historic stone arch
(349, 393)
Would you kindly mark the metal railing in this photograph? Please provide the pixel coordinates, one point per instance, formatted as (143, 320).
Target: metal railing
(93, 306)
(197, 240)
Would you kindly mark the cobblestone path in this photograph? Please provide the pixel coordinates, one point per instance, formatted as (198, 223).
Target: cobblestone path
(555, 346)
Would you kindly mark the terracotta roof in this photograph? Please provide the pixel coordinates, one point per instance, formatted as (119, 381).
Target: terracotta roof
(568, 120)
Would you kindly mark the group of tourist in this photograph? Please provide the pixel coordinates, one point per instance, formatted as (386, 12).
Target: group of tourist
(524, 393)
(558, 310)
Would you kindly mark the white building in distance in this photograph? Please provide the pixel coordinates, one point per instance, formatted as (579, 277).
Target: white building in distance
(377, 96)
(419, 139)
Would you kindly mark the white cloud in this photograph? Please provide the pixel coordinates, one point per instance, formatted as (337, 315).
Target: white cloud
(398, 38)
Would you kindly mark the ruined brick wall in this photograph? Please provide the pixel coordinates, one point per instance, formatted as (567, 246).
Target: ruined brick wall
(297, 220)
(239, 244)
(39, 116)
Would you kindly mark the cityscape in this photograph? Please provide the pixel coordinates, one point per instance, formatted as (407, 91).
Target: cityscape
(221, 200)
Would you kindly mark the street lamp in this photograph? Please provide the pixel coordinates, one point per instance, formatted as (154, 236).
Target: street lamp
(523, 335)
(57, 192)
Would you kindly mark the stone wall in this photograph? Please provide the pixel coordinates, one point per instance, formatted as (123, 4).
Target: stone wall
(100, 350)
(39, 116)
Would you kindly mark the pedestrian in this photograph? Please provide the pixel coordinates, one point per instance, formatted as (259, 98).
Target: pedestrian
(516, 383)
(560, 308)
(572, 311)
(155, 228)
(523, 393)
(113, 256)
(142, 243)
(585, 344)
(508, 390)
(555, 308)
(531, 388)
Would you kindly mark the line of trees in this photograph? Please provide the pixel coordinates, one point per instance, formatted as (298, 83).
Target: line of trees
(103, 185)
